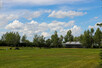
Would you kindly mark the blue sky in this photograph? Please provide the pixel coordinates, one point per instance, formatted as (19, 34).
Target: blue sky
(43, 17)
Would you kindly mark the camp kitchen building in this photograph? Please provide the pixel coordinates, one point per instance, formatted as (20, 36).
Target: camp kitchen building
(73, 45)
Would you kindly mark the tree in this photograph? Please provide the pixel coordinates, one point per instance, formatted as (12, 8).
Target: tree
(99, 24)
(55, 40)
(11, 38)
(36, 40)
(76, 39)
(60, 41)
(98, 37)
(85, 39)
(69, 36)
(25, 42)
(0, 42)
(92, 36)
(48, 43)
(39, 41)
(24, 38)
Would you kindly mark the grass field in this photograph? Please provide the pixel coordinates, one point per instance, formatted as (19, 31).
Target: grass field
(49, 58)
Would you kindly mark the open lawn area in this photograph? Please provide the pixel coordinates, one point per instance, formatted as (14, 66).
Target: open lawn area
(49, 58)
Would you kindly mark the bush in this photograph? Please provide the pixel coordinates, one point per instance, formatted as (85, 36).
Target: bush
(17, 48)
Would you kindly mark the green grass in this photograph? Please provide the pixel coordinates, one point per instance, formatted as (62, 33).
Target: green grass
(49, 58)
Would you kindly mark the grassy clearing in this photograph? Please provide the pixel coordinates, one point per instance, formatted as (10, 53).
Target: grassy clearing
(49, 58)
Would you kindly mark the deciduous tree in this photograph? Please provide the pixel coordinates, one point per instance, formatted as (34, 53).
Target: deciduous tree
(98, 37)
(68, 36)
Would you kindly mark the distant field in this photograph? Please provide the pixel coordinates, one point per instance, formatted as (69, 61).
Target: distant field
(49, 58)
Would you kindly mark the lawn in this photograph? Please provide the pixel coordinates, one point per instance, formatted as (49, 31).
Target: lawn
(49, 58)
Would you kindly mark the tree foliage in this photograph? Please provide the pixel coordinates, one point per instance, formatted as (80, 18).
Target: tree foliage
(88, 39)
(48, 43)
(39, 41)
(99, 24)
(24, 38)
(55, 40)
(91, 39)
(98, 37)
(68, 36)
(11, 38)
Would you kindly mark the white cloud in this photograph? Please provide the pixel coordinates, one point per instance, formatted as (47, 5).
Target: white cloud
(70, 23)
(14, 25)
(41, 2)
(1, 33)
(63, 14)
(43, 28)
(5, 18)
(76, 30)
(8, 17)
(34, 14)
(56, 25)
(45, 34)
(91, 26)
(0, 3)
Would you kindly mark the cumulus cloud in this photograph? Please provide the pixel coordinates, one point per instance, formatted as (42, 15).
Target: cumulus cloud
(63, 14)
(5, 18)
(14, 25)
(56, 25)
(76, 30)
(45, 29)
(45, 34)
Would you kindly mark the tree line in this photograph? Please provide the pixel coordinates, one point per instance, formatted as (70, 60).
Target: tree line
(89, 39)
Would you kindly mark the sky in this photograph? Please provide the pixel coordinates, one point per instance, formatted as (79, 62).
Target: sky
(43, 17)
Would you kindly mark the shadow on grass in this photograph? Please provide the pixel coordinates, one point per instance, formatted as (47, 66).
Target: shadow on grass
(2, 49)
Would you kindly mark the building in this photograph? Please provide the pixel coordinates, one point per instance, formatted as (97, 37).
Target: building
(73, 45)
